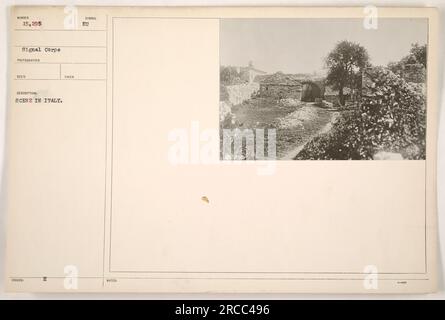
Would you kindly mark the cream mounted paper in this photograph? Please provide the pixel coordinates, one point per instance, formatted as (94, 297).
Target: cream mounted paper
(222, 149)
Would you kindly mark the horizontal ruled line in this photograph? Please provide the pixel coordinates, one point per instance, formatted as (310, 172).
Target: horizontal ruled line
(38, 45)
(225, 278)
(38, 62)
(60, 30)
(265, 272)
(62, 79)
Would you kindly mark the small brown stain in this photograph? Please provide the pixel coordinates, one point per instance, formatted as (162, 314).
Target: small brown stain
(205, 199)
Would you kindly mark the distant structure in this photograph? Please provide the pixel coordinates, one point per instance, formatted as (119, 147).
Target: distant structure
(311, 90)
(414, 72)
(249, 73)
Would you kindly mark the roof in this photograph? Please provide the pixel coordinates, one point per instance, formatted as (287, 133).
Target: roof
(283, 79)
(253, 69)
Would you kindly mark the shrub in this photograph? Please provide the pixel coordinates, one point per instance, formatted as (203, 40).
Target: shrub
(229, 75)
(391, 116)
(223, 94)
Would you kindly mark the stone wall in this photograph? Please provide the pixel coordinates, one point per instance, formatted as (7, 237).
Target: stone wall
(225, 110)
(238, 93)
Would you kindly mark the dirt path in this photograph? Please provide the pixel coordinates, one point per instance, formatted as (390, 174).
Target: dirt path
(295, 125)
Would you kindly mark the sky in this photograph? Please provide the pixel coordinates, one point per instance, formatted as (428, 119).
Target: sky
(301, 45)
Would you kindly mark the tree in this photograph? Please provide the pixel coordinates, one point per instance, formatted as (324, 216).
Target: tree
(345, 64)
(412, 67)
(228, 75)
(419, 53)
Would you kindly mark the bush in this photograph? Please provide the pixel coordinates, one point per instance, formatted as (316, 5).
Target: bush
(223, 94)
(229, 76)
(391, 116)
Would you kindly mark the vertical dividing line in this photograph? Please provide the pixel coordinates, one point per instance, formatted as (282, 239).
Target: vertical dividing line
(112, 142)
(427, 110)
(106, 151)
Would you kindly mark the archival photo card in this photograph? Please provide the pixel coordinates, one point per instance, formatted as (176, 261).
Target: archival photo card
(136, 140)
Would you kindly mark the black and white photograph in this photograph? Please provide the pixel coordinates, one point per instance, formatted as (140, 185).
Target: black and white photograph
(323, 89)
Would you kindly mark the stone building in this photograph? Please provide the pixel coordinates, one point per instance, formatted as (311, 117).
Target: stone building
(249, 73)
(284, 86)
